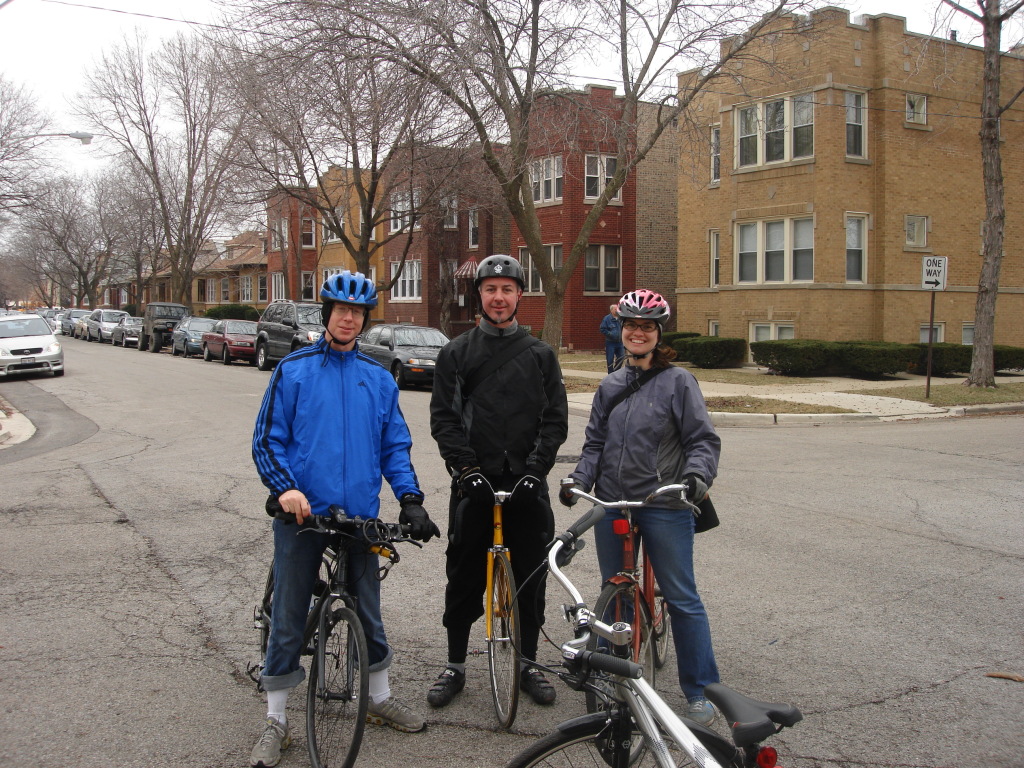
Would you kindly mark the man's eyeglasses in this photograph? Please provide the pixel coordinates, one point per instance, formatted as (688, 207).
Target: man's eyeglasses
(629, 325)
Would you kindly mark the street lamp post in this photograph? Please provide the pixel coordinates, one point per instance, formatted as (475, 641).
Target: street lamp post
(82, 136)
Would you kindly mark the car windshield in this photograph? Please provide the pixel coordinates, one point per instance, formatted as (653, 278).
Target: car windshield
(309, 315)
(75, 313)
(202, 324)
(29, 326)
(169, 312)
(241, 326)
(419, 337)
(111, 317)
(133, 321)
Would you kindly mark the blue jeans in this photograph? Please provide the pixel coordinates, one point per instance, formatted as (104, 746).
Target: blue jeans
(297, 558)
(614, 352)
(668, 541)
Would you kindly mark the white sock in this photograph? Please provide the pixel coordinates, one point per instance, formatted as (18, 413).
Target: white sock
(277, 701)
(380, 688)
(459, 667)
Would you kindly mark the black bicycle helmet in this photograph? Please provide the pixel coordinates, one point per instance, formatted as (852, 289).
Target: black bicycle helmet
(500, 265)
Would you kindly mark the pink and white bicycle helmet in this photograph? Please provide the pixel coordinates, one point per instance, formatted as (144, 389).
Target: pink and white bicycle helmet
(643, 304)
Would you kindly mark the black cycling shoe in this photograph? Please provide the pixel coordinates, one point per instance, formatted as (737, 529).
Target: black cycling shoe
(448, 684)
(537, 686)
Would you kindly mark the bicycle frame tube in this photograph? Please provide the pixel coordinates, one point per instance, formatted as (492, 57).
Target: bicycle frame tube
(644, 702)
(498, 544)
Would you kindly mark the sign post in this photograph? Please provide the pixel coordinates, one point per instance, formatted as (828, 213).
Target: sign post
(933, 279)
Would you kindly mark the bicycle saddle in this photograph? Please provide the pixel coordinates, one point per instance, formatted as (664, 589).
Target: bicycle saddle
(751, 721)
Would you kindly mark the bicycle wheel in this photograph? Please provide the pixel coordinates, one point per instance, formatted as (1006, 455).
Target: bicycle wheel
(621, 602)
(660, 629)
(337, 690)
(503, 640)
(591, 741)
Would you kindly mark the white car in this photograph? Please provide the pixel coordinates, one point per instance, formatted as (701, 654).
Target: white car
(27, 345)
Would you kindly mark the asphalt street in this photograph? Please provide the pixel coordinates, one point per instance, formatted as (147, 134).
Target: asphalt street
(870, 573)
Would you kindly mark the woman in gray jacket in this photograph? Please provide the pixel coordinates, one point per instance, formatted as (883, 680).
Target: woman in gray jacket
(660, 434)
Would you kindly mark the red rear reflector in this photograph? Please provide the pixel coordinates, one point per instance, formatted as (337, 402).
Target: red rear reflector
(620, 527)
(767, 757)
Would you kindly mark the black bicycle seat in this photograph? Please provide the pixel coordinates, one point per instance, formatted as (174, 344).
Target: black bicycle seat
(751, 721)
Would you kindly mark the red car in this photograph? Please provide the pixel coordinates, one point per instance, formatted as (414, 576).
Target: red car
(230, 340)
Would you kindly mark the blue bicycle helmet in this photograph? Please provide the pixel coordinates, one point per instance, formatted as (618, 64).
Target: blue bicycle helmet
(348, 288)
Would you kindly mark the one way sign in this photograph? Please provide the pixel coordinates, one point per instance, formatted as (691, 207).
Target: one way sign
(933, 273)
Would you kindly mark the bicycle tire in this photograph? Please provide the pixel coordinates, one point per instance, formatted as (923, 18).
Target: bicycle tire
(263, 614)
(337, 690)
(584, 741)
(618, 602)
(661, 628)
(503, 641)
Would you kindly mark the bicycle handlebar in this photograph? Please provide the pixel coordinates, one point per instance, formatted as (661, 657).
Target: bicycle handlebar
(665, 490)
(376, 531)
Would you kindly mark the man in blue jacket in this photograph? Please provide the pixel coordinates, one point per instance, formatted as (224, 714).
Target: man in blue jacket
(328, 431)
(611, 329)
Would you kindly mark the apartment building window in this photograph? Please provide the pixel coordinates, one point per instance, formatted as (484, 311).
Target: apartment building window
(855, 110)
(713, 328)
(279, 235)
(714, 241)
(917, 231)
(308, 233)
(938, 333)
(762, 130)
(402, 206)
(474, 227)
(546, 178)
(856, 264)
(602, 268)
(410, 284)
(780, 251)
(450, 208)
(967, 334)
(261, 287)
(599, 171)
(716, 154)
(277, 286)
(917, 109)
(307, 286)
(245, 288)
(771, 331)
(211, 292)
(533, 281)
(329, 235)
(200, 289)
(225, 290)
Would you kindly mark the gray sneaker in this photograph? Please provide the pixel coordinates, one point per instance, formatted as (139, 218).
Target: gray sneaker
(396, 714)
(267, 752)
(700, 710)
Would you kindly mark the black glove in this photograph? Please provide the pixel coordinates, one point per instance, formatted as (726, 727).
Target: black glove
(475, 486)
(565, 494)
(414, 515)
(528, 488)
(696, 489)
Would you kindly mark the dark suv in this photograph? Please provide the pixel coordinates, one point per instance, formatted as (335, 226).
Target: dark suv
(158, 322)
(285, 326)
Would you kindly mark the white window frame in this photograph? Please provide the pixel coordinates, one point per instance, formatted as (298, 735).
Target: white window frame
(534, 284)
(967, 332)
(308, 289)
(938, 333)
(716, 154)
(597, 172)
(917, 109)
(916, 229)
(410, 285)
(279, 235)
(609, 268)
(307, 235)
(473, 228)
(261, 288)
(715, 254)
(856, 103)
(547, 177)
(450, 206)
(714, 328)
(765, 233)
(327, 235)
(861, 220)
(210, 291)
(403, 206)
(776, 330)
(754, 136)
(245, 288)
(225, 290)
(277, 286)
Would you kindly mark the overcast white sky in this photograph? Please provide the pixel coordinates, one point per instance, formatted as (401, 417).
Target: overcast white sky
(48, 44)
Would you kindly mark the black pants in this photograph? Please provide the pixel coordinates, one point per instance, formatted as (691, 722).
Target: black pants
(527, 530)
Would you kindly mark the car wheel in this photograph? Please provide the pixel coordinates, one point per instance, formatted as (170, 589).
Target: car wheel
(156, 343)
(262, 358)
(398, 372)
(206, 354)
(174, 349)
(226, 357)
(58, 373)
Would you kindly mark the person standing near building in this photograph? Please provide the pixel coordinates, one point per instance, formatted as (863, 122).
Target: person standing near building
(498, 410)
(612, 332)
(659, 434)
(328, 432)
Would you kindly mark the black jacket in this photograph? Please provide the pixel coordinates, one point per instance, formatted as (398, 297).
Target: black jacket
(518, 415)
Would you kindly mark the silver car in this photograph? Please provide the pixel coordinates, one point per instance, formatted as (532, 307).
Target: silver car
(100, 323)
(27, 345)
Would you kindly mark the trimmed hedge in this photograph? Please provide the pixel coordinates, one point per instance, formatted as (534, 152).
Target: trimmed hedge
(875, 358)
(671, 337)
(795, 357)
(710, 351)
(1008, 358)
(233, 312)
(947, 358)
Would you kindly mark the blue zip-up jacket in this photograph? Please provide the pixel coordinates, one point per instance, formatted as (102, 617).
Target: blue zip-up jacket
(330, 426)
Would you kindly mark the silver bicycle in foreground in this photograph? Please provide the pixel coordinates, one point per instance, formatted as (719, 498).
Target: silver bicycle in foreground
(636, 727)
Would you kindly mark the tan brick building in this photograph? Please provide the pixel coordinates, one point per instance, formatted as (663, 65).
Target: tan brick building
(821, 184)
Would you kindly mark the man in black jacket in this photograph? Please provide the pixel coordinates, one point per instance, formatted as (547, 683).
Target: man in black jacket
(503, 423)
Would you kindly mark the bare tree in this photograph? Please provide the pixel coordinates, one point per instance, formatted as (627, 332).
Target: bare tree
(169, 113)
(21, 123)
(993, 17)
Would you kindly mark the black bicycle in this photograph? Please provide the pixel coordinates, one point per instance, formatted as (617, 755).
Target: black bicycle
(337, 689)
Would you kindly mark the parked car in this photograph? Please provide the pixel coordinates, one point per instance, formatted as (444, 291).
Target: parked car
(187, 336)
(230, 340)
(158, 321)
(27, 345)
(126, 331)
(100, 322)
(79, 328)
(286, 326)
(67, 323)
(408, 351)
